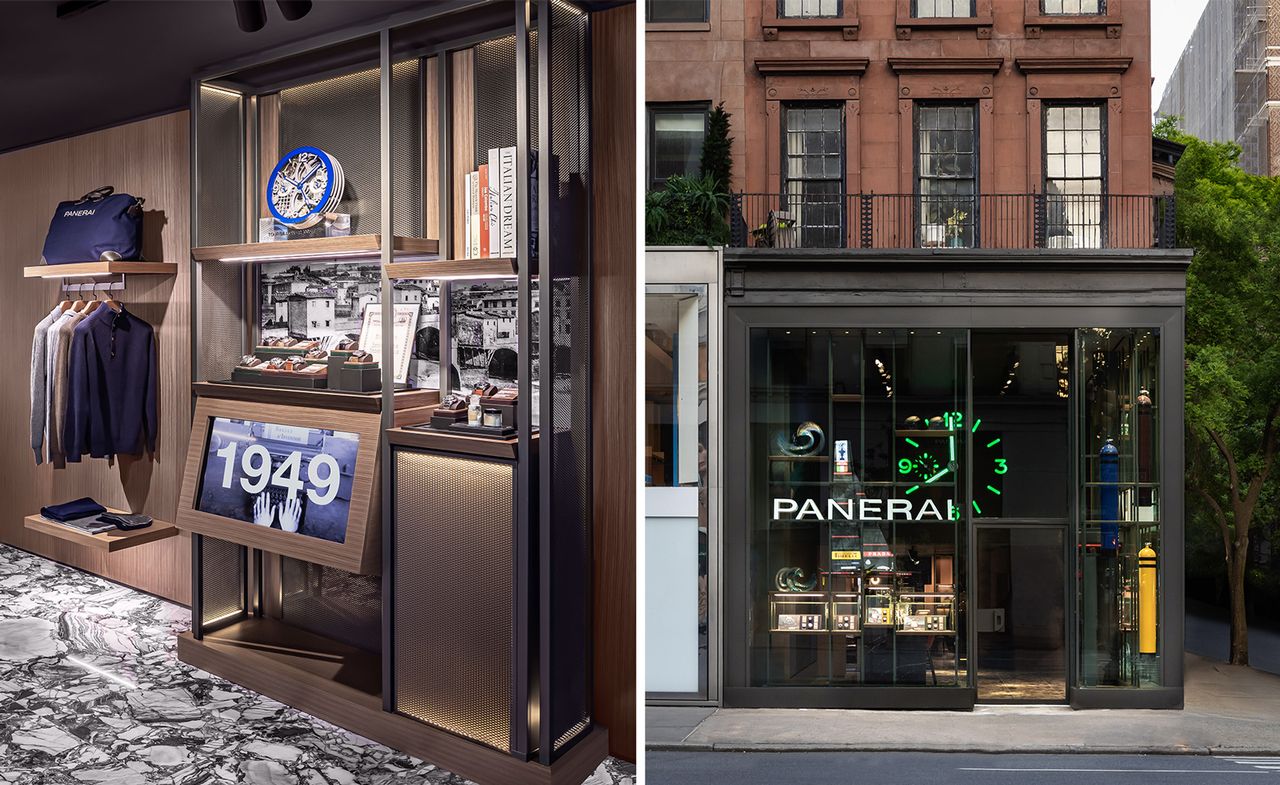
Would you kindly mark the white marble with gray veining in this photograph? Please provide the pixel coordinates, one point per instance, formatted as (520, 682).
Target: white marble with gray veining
(91, 691)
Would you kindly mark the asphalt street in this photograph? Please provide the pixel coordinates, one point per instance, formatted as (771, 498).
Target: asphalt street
(908, 768)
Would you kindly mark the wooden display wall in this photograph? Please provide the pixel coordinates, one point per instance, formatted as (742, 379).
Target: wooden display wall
(613, 381)
(149, 159)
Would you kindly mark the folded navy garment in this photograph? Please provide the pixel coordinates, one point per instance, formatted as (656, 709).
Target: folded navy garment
(69, 511)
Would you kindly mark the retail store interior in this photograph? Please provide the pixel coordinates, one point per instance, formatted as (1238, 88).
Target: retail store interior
(255, 535)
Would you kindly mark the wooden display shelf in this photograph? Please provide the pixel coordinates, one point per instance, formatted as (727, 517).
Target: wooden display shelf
(846, 397)
(498, 266)
(357, 246)
(445, 441)
(319, 399)
(800, 458)
(923, 434)
(109, 541)
(84, 269)
(335, 682)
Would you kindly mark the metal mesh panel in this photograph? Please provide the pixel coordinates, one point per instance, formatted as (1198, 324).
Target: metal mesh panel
(340, 116)
(219, 168)
(569, 359)
(222, 319)
(219, 219)
(333, 603)
(495, 89)
(222, 576)
(454, 539)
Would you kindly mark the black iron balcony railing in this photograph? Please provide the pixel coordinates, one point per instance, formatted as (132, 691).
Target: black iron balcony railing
(1014, 221)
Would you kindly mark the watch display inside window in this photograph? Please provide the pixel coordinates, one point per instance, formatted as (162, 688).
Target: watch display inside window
(860, 440)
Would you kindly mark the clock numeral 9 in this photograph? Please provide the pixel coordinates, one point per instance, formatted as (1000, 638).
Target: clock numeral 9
(905, 466)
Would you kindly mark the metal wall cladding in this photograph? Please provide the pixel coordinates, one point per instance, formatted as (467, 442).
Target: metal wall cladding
(222, 576)
(570, 381)
(454, 544)
(219, 220)
(341, 116)
(219, 211)
(334, 603)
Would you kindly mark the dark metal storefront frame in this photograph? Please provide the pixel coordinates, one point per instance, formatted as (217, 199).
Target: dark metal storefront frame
(957, 289)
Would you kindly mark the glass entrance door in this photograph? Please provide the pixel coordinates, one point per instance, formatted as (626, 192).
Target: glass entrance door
(1021, 652)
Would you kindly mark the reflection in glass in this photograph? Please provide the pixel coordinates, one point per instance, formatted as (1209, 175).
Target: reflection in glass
(1021, 619)
(676, 439)
(856, 450)
(1019, 431)
(1120, 501)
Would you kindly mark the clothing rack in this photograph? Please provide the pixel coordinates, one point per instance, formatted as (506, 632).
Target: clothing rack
(117, 285)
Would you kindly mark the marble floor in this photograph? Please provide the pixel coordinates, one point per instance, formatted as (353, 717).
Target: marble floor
(91, 691)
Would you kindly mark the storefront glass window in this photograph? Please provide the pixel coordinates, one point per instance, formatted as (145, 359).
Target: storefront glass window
(1120, 507)
(676, 525)
(857, 447)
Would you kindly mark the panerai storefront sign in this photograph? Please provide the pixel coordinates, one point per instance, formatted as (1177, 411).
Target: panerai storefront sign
(865, 510)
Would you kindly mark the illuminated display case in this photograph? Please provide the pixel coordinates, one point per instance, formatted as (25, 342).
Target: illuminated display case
(799, 613)
(846, 613)
(928, 614)
(411, 107)
(878, 604)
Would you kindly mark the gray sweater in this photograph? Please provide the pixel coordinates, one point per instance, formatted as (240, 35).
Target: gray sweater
(39, 380)
(59, 340)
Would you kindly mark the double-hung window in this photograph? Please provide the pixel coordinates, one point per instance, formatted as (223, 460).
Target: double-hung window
(941, 9)
(946, 174)
(1074, 175)
(676, 132)
(676, 10)
(809, 9)
(1073, 7)
(812, 177)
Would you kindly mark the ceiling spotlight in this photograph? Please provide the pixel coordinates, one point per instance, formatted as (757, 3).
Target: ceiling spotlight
(293, 10)
(251, 15)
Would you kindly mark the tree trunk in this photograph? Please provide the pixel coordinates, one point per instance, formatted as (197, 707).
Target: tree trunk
(1236, 567)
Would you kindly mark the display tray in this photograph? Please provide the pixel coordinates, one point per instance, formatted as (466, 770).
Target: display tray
(405, 398)
(350, 248)
(482, 431)
(279, 379)
(109, 541)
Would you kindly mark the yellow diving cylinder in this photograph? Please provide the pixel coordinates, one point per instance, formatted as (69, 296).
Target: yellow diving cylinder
(1147, 600)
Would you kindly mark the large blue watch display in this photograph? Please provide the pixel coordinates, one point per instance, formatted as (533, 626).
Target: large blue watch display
(304, 185)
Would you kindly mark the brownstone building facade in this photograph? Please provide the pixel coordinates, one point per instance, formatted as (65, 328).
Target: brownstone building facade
(923, 412)
(1018, 76)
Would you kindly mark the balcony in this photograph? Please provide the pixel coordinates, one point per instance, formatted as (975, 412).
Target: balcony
(988, 221)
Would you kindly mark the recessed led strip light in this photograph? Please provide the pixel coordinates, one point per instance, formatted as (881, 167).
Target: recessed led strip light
(295, 255)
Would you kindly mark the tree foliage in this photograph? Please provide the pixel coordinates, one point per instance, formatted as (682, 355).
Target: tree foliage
(1232, 220)
(717, 149)
(688, 211)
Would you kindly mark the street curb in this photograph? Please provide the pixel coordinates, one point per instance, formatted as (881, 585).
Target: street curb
(971, 749)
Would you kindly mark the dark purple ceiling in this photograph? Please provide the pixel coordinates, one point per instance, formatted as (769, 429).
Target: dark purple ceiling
(128, 59)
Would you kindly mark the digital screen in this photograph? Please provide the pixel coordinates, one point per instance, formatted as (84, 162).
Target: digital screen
(285, 477)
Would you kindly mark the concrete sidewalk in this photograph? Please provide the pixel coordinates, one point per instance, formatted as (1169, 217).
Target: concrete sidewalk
(1229, 710)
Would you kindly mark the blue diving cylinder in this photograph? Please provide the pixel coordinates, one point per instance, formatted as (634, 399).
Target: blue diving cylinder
(1109, 495)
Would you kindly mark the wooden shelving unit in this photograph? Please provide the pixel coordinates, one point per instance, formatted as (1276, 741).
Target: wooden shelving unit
(498, 266)
(109, 541)
(357, 246)
(319, 399)
(84, 269)
(428, 439)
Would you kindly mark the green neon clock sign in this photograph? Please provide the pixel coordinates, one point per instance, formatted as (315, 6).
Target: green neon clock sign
(930, 457)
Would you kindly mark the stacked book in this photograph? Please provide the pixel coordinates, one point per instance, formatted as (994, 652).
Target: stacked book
(489, 228)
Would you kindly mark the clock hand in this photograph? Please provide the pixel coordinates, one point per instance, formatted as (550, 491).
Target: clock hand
(936, 476)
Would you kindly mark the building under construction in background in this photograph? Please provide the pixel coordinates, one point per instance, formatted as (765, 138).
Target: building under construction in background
(1220, 85)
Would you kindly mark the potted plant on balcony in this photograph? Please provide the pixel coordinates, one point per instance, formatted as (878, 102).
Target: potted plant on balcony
(775, 232)
(955, 228)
